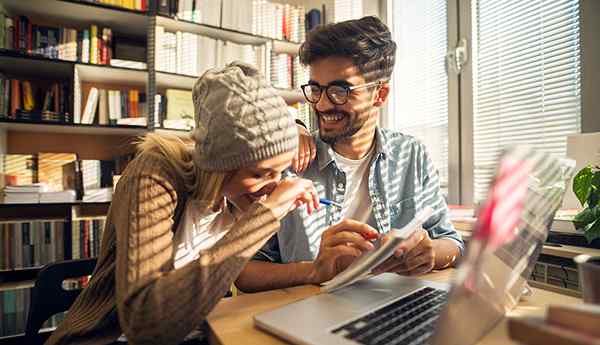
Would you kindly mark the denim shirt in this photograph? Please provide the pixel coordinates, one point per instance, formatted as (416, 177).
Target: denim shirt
(402, 180)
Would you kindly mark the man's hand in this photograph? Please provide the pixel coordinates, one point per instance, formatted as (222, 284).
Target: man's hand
(340, 245)
(307, 150)
(414, 256)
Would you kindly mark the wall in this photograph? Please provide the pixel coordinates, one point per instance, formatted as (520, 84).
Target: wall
(590, 66)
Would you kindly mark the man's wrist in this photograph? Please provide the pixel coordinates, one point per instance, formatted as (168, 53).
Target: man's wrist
(307, 272)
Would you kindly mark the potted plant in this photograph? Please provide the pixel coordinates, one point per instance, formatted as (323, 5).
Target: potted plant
(586, 186)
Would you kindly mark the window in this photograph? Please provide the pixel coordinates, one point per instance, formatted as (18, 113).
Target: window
(526, 79)
(418, 104)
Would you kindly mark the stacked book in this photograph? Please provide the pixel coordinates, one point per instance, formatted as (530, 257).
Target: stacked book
(35, 100)
(190, 54)
(24, 194)
(138, 5)
(114, 107)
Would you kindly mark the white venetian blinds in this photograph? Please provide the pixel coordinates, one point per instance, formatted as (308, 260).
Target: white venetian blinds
(419, 99)
(526, 79)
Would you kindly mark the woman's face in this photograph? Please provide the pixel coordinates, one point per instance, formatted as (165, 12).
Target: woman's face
(254, 182)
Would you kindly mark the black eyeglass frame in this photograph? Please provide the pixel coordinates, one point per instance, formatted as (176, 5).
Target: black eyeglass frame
(348, 90)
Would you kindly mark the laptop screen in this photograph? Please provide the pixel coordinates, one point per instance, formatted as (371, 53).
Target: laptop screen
(512, 227)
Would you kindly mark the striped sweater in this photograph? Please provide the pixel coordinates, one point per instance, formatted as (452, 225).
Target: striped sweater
(134, 289)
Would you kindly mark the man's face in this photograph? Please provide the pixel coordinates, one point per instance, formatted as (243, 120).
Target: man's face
(341, 122)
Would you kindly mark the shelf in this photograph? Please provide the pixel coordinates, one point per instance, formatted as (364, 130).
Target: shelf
(174, 24)
(53, 204)
(57, 127)
(111, 74)
(168, 80)
(81, 14)
(18, 275)
(34, 66)
(182, 133)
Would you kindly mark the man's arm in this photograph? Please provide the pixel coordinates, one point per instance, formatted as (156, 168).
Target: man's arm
(340, 245)
(263, 275)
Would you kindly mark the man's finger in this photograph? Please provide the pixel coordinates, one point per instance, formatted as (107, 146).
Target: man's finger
(413, 240)
(349, 237)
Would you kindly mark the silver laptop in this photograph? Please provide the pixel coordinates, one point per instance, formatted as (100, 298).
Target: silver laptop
(392, 309)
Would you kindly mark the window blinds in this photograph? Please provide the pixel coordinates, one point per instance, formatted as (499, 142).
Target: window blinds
(526, 79)
(419, 99)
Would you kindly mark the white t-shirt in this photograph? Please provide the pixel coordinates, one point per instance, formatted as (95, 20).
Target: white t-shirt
(199, 229)
(357, 203)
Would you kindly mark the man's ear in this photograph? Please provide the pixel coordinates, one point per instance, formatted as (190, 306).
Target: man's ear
(382, 94)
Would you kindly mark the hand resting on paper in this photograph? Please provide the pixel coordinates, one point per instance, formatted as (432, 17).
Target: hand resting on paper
(415, 256)
(340, 245)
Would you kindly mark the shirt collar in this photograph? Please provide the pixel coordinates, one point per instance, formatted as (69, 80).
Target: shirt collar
(325, 151)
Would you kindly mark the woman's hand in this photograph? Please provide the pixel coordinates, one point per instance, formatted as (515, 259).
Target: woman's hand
(307, 150)
(290, 194)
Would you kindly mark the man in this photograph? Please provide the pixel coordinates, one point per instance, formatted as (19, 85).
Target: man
(382, 178)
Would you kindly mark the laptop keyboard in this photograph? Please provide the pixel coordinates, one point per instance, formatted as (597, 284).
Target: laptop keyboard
(409, 320)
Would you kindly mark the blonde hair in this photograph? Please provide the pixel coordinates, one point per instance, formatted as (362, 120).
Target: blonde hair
(203, 185)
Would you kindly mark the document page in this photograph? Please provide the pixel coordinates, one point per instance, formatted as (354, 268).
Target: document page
(364, 264)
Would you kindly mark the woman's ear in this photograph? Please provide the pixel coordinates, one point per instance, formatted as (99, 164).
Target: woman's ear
(382, 94)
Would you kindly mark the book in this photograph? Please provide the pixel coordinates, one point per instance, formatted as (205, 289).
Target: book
(180, 105)
(91, 106)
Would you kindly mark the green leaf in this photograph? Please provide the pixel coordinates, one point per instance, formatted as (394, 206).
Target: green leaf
(594, 197)
(592, 231)
(586, 217)
(582, 184)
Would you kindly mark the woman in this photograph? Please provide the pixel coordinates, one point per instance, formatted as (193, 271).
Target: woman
(185, 220)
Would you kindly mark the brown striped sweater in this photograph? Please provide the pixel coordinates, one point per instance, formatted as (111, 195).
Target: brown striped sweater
(134, 289)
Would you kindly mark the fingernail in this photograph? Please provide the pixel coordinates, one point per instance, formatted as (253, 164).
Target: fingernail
(370, 246)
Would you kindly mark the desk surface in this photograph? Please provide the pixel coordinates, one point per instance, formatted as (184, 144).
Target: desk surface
(231, 321)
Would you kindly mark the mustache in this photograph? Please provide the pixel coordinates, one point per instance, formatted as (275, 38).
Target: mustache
(332, 112)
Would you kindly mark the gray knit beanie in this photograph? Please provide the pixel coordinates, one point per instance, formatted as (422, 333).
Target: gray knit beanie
(239, 119)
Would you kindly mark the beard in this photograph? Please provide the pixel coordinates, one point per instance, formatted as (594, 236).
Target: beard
(353, 124)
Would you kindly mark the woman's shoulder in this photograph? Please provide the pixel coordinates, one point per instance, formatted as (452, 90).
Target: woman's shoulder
(156, 166)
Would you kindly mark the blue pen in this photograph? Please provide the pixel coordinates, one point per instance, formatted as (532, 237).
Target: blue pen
(328, 202)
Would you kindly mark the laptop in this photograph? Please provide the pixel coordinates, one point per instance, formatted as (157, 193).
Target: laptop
(392, 309)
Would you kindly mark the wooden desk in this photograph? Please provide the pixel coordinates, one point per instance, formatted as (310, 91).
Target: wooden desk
(231, 322)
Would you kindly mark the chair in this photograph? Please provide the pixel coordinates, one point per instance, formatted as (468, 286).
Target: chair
(48, 296)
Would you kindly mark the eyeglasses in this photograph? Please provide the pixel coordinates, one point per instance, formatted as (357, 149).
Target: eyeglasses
(337, 94)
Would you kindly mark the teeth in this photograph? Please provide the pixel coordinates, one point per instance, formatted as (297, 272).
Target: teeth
(332, 118)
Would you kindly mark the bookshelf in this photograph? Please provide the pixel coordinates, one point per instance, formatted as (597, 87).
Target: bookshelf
(27, 135)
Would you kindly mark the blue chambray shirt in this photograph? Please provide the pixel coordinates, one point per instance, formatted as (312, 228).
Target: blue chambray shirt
(402, 181)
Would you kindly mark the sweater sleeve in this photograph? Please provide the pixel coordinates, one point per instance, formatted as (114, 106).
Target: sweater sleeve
(157, 304)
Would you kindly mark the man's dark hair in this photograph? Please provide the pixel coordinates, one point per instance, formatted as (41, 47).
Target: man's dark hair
(367, 41)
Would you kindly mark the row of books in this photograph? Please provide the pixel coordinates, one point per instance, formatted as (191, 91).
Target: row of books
(86, 237)
(58, 177)
(114, 107)
(191, 54)
(139, 5)
(93, 45)
(259, 17)
(34, 99)
(14, 308)
(287, 72)
(31, 243)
